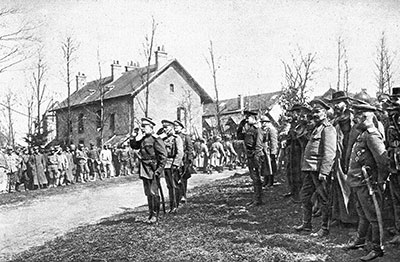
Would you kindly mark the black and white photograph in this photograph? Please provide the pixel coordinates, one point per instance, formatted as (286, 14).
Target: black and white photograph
(199, 131)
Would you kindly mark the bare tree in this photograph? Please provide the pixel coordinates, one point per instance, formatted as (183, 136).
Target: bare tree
(213, 68)
(148, 52)
(298, 74)
(69, 48)
(39, 88)
(13, 39)
(9, 102)
(187, 104)
(384, 66)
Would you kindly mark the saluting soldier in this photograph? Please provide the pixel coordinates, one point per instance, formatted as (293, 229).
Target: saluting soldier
(174, 147)
(251, 134)
(316, 167)
(152, 158)
(368, 151)
(187, 161)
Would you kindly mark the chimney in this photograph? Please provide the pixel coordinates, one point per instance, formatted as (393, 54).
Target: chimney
(131, 66)
(161, 57)
(116, 70)
(80, 80)
(240, 102)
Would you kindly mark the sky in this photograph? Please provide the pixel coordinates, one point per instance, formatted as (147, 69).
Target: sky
(250, 40)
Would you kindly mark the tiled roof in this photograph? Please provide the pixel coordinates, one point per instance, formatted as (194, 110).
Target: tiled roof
(253, 103)
(130, 83)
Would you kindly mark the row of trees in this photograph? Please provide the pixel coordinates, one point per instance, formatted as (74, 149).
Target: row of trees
(300, 71)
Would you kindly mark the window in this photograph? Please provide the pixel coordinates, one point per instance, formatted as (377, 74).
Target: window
(98, 119)
(81, 128)
(181, 114)
(171, 88)
(112, 122)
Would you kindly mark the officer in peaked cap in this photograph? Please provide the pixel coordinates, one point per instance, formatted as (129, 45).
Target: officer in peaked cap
(339, 96)
(367, 151)
(252, 136)
(152, 161)
(316, 165)
(270, 150)
(187, 168)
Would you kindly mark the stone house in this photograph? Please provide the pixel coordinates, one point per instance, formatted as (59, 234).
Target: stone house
(173, 94)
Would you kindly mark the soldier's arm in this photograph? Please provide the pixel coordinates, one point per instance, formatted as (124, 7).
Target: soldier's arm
(377, 147)
(161, 153)
(259, 141)
(189, 147)
(328, 150)
(179, 151)
(239, 132)
(134, 144)
(274, 140)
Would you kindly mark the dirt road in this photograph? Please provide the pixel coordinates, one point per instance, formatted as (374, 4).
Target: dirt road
(32, 224)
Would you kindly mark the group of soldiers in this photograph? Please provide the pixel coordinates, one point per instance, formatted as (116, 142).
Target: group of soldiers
(341, 158)
(168, 153)
(39, 167)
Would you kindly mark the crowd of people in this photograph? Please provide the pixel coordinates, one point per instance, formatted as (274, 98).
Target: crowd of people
(54, 166)
(341, 160)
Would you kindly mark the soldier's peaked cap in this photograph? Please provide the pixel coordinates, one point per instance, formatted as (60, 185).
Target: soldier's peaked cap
(265, 119)
(296, 107)
(249, 113)
(339, 96)
(319, 102)
(364, 108)
(147, 121)
(178, 123)
(167, 122)
(395, 92)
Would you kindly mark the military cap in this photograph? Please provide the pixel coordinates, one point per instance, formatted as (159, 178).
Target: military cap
(167, 122)
(320, 102)
(339, 96)
(296, 107)
(249, 113)
(363, 108)
(178, 123)
(395, 92)
(147, 121)
(265, 119)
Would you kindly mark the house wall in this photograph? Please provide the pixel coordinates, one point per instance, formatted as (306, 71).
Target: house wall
(118, 106)
(164, 104)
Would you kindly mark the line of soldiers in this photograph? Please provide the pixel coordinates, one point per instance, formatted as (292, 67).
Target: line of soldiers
(342, 159)
(168, 153)
(38, 168)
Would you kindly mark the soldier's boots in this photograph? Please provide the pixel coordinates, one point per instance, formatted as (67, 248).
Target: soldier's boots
(356, 244)
(303, 227)
(323, 232)
(372, 255)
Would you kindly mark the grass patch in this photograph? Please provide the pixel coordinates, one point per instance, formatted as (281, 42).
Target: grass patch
(214, 226)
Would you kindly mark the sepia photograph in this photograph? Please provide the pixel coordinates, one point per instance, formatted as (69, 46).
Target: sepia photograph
(199, 131)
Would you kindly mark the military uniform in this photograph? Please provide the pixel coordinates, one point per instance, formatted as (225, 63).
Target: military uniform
(187, 162)
(152, 155)
(270, 150)
(317, 161)
(368, 150)
(252, 137)
(174, 147)
(124, 156)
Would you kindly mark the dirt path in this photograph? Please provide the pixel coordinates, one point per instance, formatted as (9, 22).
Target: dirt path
(25, 226)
